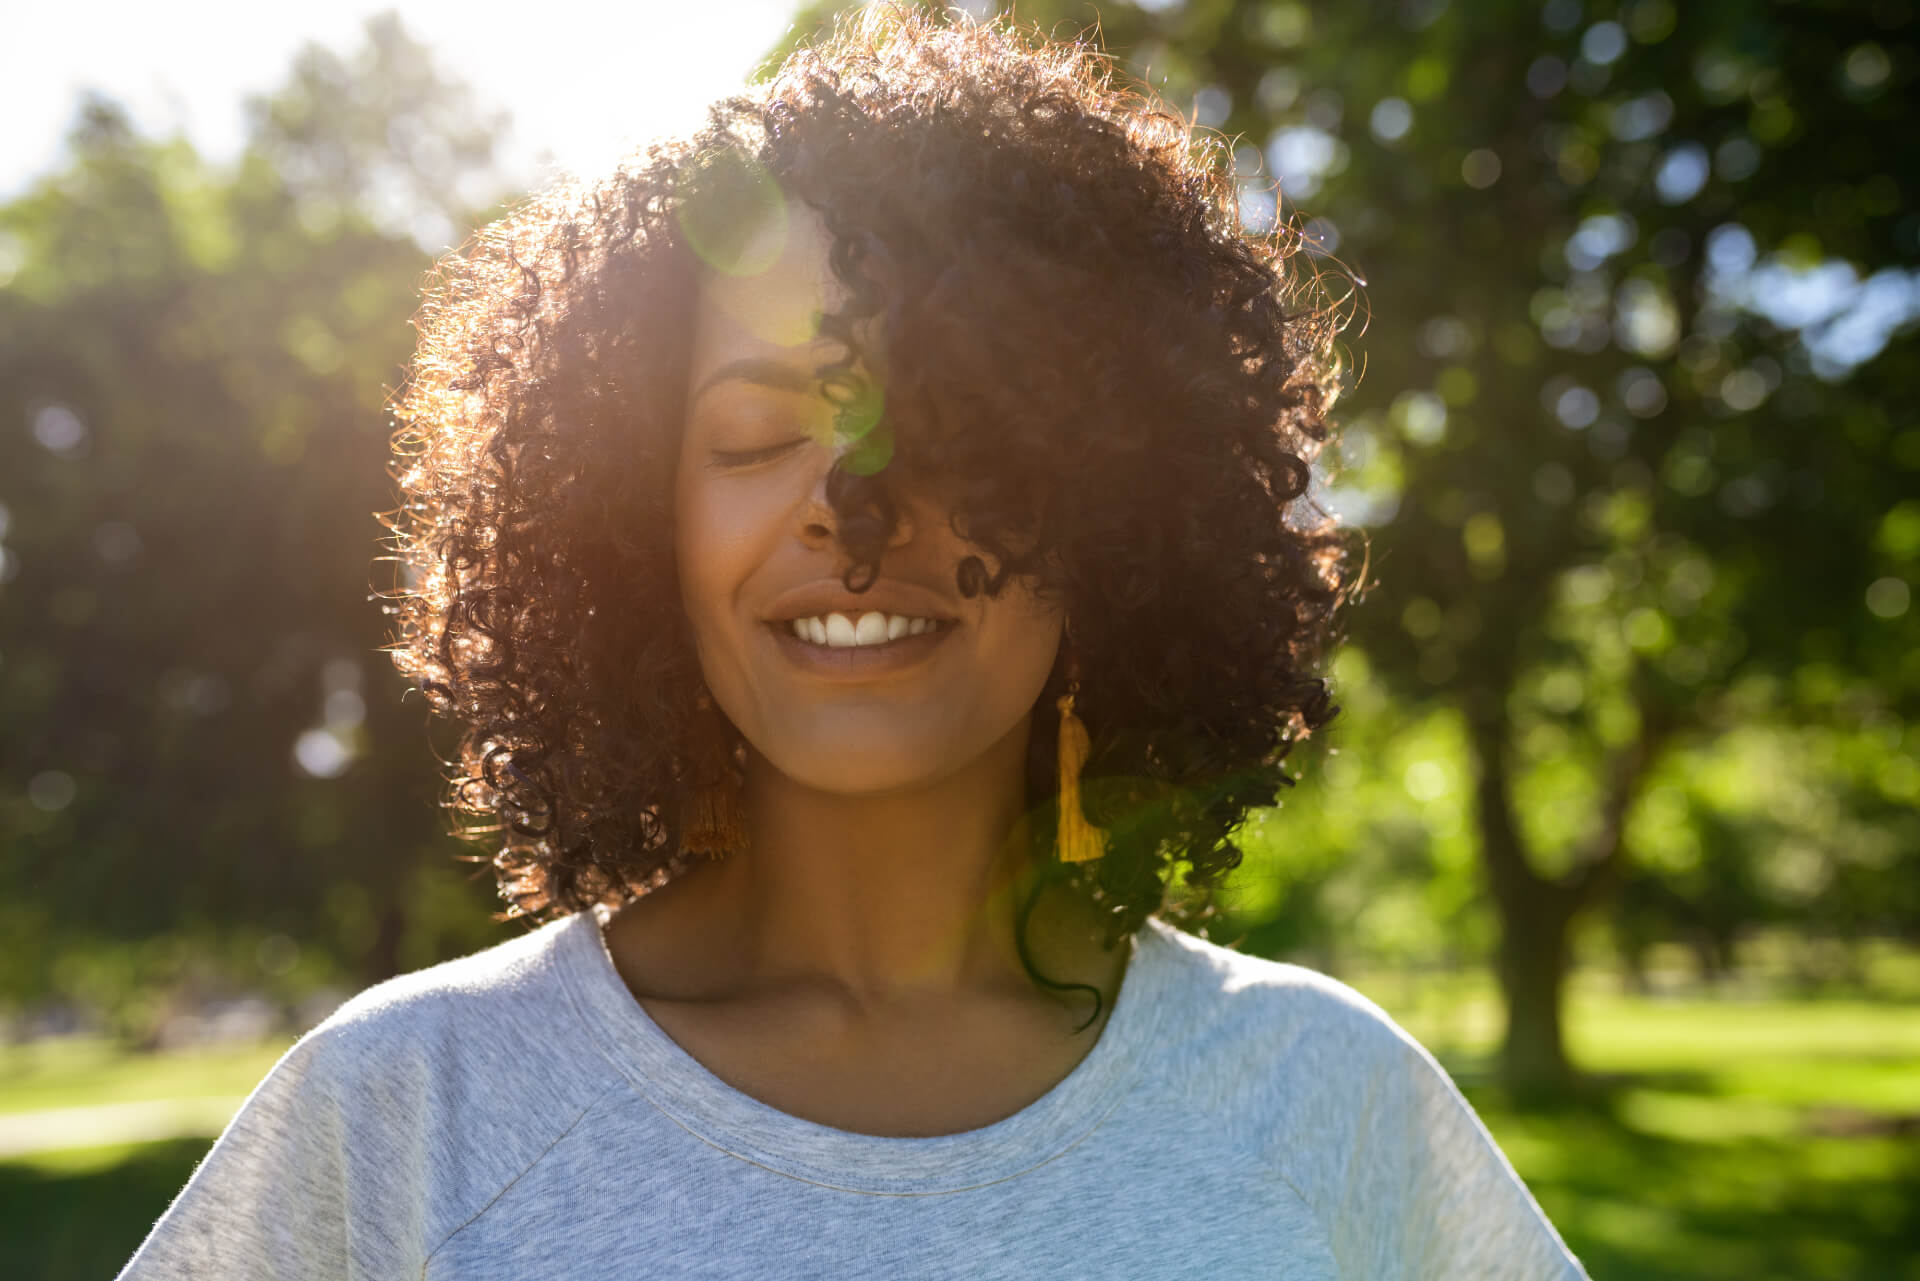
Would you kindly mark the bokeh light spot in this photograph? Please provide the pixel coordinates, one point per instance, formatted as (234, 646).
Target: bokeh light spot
(1480, 169)
(51, 791)
(1390, 119)
(1888, 597)
(1603, 43)
(734, 215)
(59, 430)
(321, 753)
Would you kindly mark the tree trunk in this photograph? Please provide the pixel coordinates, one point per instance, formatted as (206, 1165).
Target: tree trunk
(1533, 971)
(1537, 912)
(1534, 914)
(1709, 959)
(1632, 954)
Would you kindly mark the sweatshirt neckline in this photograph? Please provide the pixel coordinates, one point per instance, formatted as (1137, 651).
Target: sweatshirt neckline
(684, 1091)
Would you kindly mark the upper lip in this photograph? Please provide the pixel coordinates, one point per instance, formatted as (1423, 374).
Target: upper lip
(830, 596)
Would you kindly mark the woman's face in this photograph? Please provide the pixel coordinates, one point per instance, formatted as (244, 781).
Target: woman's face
(890, 688)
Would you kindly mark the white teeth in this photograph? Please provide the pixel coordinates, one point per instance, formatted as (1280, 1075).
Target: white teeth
(838, 631)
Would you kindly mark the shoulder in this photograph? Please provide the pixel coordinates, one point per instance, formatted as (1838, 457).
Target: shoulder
(1284, 1058)
(506, 1012)
(393, 1122)
(1274, 1010)
(1330, 1094)
(516, 979)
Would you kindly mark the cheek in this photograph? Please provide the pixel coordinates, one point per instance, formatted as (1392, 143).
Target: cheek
(1023, 642)
(712, 546)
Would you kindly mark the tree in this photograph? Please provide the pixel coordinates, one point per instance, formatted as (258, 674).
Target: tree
(1627, 441)
(201, 734)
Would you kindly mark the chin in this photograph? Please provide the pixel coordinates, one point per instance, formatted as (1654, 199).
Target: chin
(865, 767)
(865, 774)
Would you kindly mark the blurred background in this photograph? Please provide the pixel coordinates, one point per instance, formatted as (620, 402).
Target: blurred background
(1622, 815)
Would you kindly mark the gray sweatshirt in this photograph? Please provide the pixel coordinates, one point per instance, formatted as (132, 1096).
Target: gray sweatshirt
(517, 1114)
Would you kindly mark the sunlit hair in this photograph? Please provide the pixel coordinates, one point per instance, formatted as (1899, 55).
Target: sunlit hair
(1120, 390)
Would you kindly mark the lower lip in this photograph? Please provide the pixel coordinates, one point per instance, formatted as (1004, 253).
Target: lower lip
(855, 662)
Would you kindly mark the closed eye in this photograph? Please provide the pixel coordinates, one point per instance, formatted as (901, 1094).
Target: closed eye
(747, 457)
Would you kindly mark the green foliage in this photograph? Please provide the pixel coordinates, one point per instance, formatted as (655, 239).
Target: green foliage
(1372, 857)
(380, 134)
(204, 743)
(1630, 440)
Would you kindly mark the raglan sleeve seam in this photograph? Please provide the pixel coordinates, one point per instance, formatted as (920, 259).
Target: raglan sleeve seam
(508, 1185)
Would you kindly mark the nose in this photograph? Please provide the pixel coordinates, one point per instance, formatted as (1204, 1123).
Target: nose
(818, 524)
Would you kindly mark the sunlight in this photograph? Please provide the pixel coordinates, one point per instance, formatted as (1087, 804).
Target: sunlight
(582, 84)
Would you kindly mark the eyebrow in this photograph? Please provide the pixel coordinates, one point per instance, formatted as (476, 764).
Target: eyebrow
(762, 372)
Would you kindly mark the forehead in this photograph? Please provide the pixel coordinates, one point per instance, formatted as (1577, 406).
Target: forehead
(768, 304)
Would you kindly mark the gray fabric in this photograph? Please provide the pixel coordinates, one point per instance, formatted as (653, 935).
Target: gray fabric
(517, 1114)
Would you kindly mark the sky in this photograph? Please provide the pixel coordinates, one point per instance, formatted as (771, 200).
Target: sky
(580, 78)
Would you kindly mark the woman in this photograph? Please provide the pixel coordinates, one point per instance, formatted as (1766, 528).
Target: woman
(865, 546)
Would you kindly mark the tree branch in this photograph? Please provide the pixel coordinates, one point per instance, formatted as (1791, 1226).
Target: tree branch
(1598, 871)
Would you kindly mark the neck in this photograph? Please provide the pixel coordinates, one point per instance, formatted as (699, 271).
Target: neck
(885, 896)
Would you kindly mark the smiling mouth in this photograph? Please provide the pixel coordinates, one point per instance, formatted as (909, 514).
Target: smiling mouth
(872, 629)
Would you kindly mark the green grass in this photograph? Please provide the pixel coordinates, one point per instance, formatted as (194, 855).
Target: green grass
(1748, 1138)
(77, 1073)
(1681, 1184)
(82, 1214)
(1727, 1138)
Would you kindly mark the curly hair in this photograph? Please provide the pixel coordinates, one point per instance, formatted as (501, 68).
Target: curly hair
(1121, 389)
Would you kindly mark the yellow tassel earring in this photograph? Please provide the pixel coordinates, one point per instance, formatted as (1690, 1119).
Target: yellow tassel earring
(1078, 841)
(716, 812)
